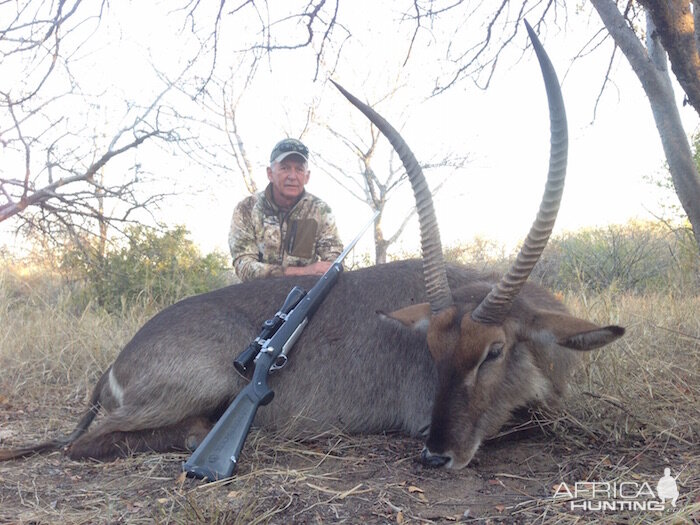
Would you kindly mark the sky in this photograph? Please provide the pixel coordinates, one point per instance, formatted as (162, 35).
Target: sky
(503, 130)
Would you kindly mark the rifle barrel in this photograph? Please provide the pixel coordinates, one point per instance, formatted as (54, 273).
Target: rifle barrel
(354, 241)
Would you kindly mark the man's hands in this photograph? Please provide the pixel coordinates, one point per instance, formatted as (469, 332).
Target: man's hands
(317, 268)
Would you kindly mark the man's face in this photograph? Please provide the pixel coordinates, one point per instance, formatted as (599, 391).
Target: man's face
(288, 178)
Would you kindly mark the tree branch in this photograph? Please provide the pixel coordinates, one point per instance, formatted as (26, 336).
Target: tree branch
(49, 191)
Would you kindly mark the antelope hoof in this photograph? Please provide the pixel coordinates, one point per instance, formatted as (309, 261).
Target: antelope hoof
(192, 442)
(433, 460)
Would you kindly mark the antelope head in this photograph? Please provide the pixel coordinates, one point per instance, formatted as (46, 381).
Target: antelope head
(495, 346)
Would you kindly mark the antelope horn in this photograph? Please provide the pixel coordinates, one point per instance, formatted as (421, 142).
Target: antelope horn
(434, 273)
(494, 308)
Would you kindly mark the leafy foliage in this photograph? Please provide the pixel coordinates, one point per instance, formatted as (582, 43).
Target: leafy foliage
(151, 269)
(636, 257)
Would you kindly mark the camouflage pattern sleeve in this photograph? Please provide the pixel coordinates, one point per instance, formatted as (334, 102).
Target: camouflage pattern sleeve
(243, 243)
(328, 245)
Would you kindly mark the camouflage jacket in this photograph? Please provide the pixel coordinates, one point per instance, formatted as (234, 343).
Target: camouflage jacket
(264, 239)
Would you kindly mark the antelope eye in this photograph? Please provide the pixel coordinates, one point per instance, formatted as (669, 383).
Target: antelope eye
(495, 351)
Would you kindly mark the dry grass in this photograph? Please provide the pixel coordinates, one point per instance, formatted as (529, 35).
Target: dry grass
(635, 408)
(651, 380)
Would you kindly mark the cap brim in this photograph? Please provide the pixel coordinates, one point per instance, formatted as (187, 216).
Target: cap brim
(283, 156)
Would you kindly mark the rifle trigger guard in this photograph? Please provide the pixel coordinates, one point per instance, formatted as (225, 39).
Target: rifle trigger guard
(280, 362)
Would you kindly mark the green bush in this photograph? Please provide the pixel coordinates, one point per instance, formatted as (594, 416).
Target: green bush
(636, 257)
(152, 269)
(482, 254)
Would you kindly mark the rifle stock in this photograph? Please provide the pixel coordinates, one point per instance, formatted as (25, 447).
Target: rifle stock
(217, 456)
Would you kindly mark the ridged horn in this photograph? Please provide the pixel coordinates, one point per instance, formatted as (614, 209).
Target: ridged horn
(434, 273)
(494, 308)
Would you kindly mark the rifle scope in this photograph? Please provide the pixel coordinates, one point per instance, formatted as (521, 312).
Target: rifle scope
(245, 359)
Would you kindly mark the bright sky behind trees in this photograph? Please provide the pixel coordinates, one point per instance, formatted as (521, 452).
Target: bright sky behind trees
(503, 130)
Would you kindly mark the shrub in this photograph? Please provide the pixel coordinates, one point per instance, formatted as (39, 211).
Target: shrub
(637, 257)
(482, 254)
(151, 269)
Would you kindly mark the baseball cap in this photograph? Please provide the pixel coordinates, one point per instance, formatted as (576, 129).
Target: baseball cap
(287, 147)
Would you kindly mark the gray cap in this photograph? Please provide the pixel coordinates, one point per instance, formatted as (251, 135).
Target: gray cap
(287, 147)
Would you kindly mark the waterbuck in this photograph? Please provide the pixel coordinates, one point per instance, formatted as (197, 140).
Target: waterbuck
(462, 352)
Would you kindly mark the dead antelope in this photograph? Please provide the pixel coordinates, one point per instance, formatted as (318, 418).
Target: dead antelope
(476, 347)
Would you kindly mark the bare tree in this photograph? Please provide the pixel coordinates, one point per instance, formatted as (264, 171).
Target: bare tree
(238, 149)
(474, 55)
(221, 102)
(376, 186)
(671, 24)
(281, 27)
(650, 65)
(67, 168)
(63, 182)
(40, 41)
(365, 185)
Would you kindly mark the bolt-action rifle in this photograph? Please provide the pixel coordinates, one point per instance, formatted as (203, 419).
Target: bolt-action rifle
(217, 456)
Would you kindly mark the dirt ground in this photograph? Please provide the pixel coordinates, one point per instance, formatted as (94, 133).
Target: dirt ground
(342, 479)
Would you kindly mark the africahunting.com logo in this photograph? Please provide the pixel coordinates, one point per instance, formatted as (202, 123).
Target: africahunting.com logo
(601, 496)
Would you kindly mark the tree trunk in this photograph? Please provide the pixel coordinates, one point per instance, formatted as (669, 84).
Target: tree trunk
(673, 21)
(650, 67)
(380, 244)
(100, 194)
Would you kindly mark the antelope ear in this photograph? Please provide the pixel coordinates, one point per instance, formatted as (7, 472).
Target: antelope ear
(577, 334)
(592, 339)
(416, 316)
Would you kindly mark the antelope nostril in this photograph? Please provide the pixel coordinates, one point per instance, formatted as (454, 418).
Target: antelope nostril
(432, 460)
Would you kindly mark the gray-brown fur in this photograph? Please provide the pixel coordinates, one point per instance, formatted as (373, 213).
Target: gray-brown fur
(459, 374)
(351, 370)
(537, 347)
